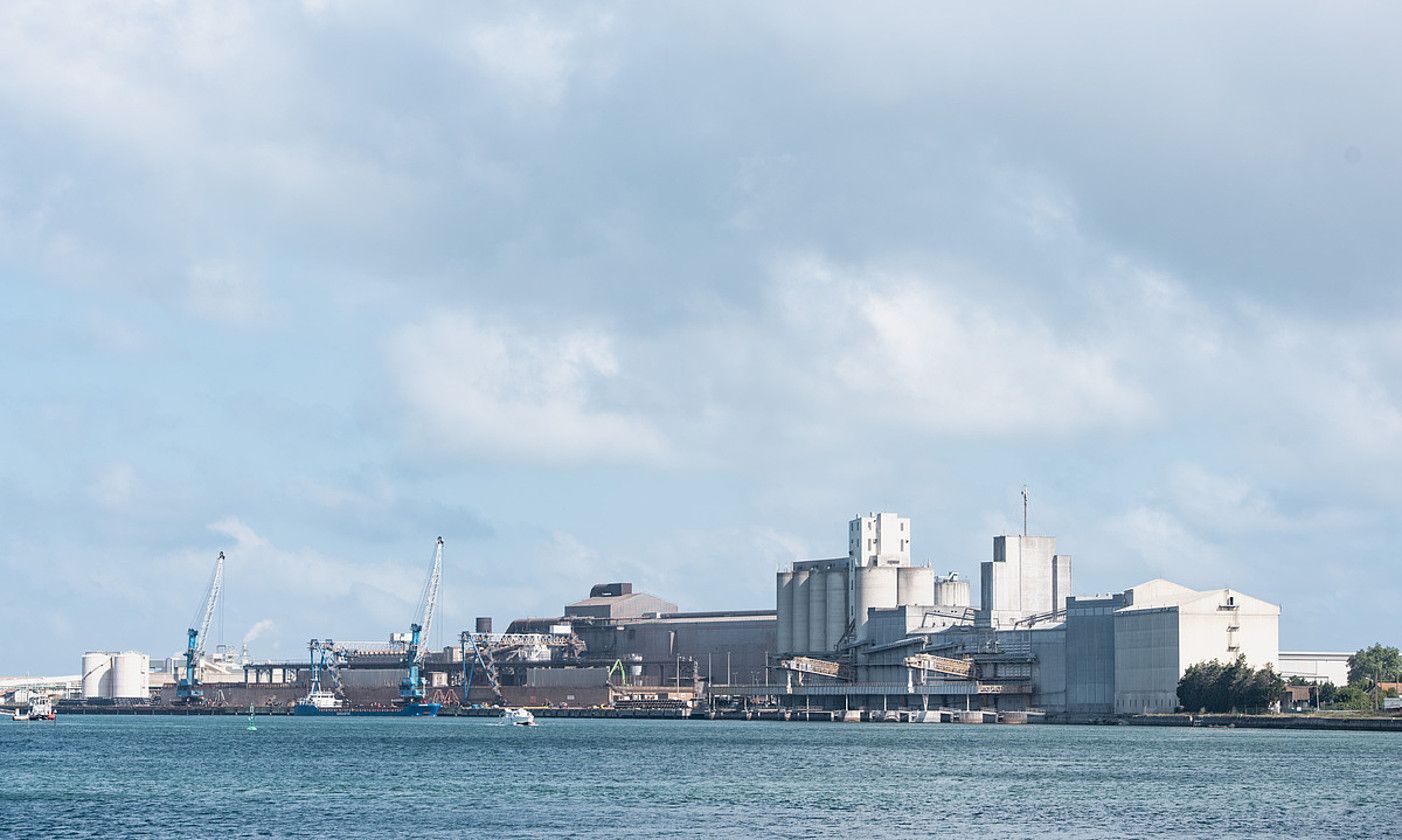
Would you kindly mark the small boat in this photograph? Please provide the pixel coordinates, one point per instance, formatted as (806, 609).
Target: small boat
(252, 727)
(40, 709)
(518, 717)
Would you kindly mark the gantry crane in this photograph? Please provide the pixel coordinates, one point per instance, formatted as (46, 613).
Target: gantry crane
(188, 689)
(472, 658)
(411, 688)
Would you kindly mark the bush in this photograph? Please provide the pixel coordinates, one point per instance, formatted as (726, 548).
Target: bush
(1351, 697)
(1218, 687)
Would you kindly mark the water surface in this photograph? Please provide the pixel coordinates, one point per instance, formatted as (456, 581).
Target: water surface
(470, 777)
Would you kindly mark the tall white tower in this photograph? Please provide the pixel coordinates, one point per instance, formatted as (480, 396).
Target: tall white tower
(879, 539)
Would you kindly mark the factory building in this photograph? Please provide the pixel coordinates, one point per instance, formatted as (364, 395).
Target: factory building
(1315, 666)
(914, 641)
(655, 644)
(1164, 627)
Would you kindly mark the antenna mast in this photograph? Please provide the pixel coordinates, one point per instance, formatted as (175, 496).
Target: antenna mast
(1024, 510)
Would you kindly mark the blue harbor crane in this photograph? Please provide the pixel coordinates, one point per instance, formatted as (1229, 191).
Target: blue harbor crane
(188, 689)
(330, 656)
(411, 688)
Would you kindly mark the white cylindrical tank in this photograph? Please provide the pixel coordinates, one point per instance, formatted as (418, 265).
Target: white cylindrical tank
(836, 606)
(783, 608)
(131, 676)
(817, 611)
(800, 611)
(950, 591)
(915, 585)
(876, 587)
(97, 675)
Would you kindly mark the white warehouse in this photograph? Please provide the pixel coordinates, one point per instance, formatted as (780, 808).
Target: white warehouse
(1126, 652)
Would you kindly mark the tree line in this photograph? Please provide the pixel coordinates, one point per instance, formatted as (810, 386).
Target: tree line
(1218, 686)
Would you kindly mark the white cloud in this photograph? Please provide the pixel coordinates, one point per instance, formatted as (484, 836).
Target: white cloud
(495, 390)
(382, 591)
(1165, 547)
(530, 55)
(1226, 503)
(905, 349)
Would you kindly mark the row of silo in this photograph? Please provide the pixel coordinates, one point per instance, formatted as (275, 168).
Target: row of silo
(116, 676)
(811, 607)
(811, 600)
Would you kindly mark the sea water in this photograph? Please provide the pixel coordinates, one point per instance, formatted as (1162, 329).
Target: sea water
(472, 777)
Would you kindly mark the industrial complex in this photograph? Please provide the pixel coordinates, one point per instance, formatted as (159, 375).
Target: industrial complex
(869, 631)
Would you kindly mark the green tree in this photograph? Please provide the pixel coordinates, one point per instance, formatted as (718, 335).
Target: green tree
(1199, 688)
(1223, 687)
(1377, 662)
(1351, 697)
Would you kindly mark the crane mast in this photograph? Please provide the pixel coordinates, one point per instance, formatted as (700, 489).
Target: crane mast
(188, 690)
(411, 688)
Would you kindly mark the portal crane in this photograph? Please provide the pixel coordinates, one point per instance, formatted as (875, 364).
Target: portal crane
(188, 689)
(472, 658)
(411, 688)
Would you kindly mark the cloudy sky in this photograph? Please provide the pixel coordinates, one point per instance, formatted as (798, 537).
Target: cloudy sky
(667, 293)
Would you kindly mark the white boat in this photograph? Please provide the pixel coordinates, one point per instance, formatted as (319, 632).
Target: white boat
(519, 717)
(39, 709)
(319, 703)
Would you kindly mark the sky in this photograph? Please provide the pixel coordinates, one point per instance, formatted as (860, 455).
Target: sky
(667, 293)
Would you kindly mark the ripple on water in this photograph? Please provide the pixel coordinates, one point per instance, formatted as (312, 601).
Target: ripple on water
(366, 777)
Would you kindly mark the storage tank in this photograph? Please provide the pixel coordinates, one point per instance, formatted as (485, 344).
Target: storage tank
(876, 587)
(800, 610)
(817, 610)
(783, 609)
(836, 606)
(915, 585)
(131, 676)
(97, 675)
(950, 591)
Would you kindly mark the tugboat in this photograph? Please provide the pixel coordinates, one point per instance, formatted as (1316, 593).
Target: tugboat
(39, 709)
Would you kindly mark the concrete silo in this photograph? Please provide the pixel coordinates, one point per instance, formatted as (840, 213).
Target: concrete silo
(836, 607)
(876, 587)
(951, 591)
(915, 585)
(817, 610)
(783, 609)
(800, 611)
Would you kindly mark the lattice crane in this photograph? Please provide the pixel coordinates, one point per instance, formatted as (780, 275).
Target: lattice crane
(188, 689)
(411, 688)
